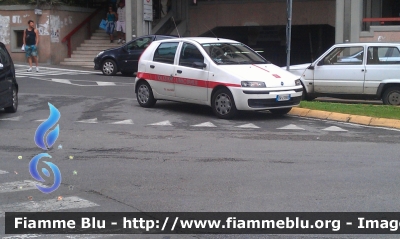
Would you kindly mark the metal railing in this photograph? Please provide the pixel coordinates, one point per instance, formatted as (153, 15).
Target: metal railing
(68, 37)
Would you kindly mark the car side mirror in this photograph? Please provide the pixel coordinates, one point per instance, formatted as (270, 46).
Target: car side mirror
(1, 67)
(200, 65)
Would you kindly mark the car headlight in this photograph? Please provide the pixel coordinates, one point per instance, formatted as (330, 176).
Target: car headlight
(100, 53)
(255, 84)
(297, 82)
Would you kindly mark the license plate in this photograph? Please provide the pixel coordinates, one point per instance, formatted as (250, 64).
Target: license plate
(282, 97)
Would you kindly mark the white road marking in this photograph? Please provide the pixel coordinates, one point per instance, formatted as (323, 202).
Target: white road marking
(3, 172)
(47, 205)
(163, 123)
(54, 68)
(41, 120)
(13, 118)
(89, 121)
(205, 124)
(129, 121)
(102, 83)
(292, 127)
(335, 129)
(62, 81)
(250, 126)
(19, 186)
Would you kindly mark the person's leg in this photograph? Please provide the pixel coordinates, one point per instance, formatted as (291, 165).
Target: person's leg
(35, 56)
(123, 32)
(28, 54)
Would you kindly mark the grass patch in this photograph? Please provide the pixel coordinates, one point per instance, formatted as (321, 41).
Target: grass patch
(378, 111)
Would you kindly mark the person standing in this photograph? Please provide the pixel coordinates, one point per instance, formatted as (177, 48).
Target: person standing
(31, 41)
(111, 18)
(121, 22)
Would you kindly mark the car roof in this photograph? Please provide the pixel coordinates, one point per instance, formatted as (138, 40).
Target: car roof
(369, 44)
(203, 40)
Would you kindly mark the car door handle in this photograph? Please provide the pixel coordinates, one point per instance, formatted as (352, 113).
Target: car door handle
(152, 66)
(179, 71)
(364, 70)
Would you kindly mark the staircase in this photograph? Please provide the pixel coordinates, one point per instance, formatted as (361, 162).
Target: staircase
(84, 54)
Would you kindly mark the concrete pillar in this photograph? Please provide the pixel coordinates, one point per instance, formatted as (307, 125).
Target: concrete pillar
(135, 25)
(356, 20)
(339, 24)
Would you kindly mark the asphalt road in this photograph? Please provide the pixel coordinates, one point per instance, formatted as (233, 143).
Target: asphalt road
(116, 156)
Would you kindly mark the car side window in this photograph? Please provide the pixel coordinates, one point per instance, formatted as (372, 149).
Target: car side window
(189, 55)
(4, 58)
(345, 56)
(383, 55)
(166, 52)
(139, 44)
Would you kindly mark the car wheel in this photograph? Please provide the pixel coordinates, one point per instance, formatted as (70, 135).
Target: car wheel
(305, 96)
(109, 67)
(391, 96)
(126, 73)
(223, 104)
(280, 111)
(144, 95)
(13, 108)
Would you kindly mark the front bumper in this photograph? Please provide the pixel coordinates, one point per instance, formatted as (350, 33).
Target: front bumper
(264, 99)
(97, 65)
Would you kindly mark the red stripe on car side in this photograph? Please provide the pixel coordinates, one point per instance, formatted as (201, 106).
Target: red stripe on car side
(183, 81)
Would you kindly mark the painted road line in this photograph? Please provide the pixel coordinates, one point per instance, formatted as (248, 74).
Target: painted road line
(13, 118)
(163, 123)
(47, 205)
(19, 186)
(61, 81)
(205, 124)
(129, 121)
(102, 83)
(3, 172)
(88, 121)
(248, 126)
(291, 127)
(335, 129)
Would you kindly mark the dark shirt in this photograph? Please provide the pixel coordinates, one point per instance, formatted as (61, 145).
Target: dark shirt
(30, 37)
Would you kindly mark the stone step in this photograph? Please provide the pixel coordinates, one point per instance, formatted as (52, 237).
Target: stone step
(91, 48)
(82, 55)
(105, 45)
(96, 41)
(86, 52)
(100, 38)
(77, 63)
(99, 34)
(79, 59)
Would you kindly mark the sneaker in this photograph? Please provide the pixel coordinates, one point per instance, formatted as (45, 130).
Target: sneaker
(119, 41)
(29, 70)
(123, 41)
(111, 41)
(37, 69)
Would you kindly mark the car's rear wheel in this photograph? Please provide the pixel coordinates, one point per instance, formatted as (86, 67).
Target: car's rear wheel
(223, 104)
(109, 67)
(145, 95)
(13, 108)
(391, 96)
(280, 111)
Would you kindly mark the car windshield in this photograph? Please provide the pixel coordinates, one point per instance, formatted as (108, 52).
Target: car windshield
(232, 53)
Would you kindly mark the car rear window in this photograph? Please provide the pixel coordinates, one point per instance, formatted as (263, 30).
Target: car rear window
(166, 52)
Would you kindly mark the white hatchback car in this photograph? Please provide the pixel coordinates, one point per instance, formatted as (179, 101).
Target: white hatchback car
(354, 70)
(224, 74)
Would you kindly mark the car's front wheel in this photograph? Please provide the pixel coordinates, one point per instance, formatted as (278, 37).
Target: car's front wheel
(391, 96)
(145, 95)
(223, 104)
(109, 67)
(280, 111)
(13, 108)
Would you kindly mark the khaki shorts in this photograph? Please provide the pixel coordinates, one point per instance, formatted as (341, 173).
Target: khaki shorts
(120, 26)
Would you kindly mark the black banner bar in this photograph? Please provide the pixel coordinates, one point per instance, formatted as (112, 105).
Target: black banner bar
(202, 223)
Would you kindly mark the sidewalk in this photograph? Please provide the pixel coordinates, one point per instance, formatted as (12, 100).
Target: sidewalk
(356, 119)
(44, 65)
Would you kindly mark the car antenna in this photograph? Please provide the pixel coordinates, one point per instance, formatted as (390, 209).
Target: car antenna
(210, 31)
(176, 27)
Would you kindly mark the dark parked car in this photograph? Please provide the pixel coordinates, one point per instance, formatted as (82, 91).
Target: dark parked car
(8, 82)
(125, 58)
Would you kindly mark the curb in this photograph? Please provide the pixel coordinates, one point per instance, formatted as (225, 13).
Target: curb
(356, 119)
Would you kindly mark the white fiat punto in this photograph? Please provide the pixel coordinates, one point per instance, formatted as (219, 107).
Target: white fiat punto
(224, 74)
